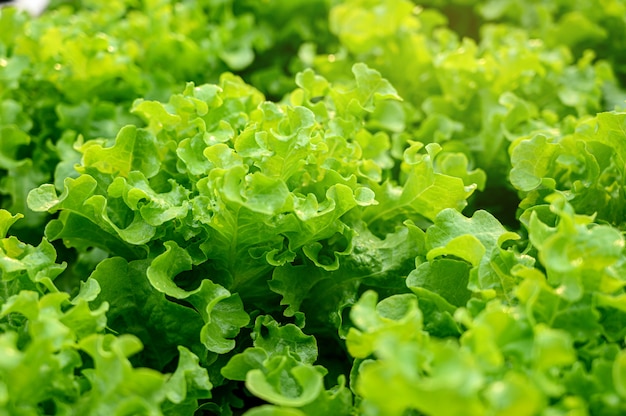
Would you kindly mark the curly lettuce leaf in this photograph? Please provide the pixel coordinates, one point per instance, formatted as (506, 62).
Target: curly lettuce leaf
(585, 165)
(423, 192)
(138, 309)
(279, 368)
(373, 262)
(221, 311)
(477, 242)
(425, 372)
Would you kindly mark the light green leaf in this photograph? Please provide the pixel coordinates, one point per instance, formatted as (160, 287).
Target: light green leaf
(397, 316)
(7, 220)
(532, 159)
(552, 348)
(515, 393)
(239, 365)
(423, 194)
(222, 312)
(165, 267)
(619, 373)
(287, 339)
(190, 381)
(269, 410)
(303, 386)
(446, 277)
(371, 86)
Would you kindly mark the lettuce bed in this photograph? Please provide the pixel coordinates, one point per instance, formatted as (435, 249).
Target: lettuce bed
(357, 207)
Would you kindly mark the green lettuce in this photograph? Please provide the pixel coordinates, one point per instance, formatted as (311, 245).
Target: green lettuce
(224, 201)
(57, 355)
(350, 207)
(583, 162)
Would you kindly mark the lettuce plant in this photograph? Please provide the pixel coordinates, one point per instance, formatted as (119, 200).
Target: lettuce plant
(310, 208)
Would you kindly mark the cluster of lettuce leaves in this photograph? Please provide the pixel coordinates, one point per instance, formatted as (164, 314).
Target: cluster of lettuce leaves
(288, 208)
